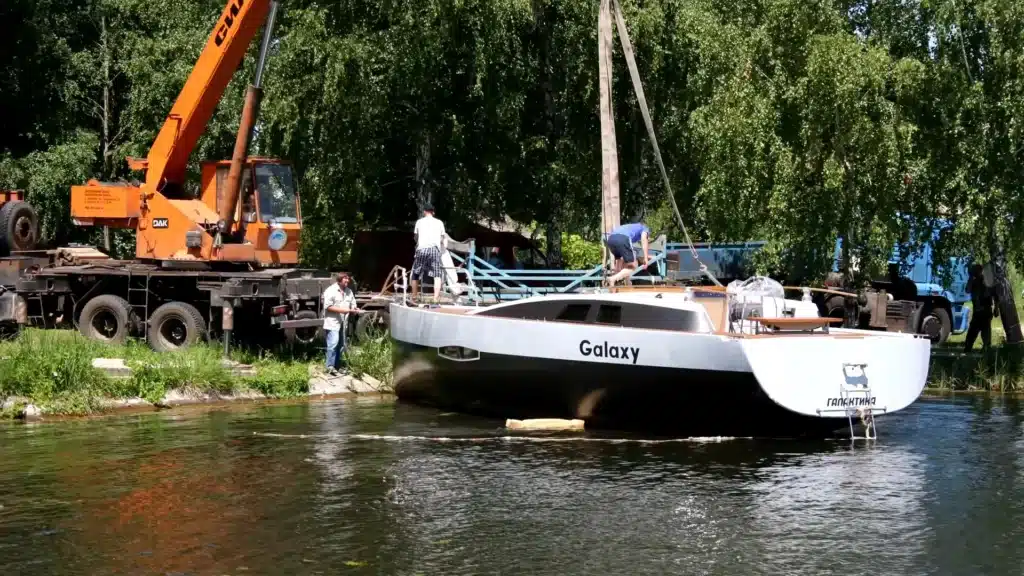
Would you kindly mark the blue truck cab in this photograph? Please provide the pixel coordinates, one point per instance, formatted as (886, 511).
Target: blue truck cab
(943, 302)
(921, 301)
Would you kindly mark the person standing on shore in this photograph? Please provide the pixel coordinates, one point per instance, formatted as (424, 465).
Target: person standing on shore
(984, 310)
(620, 244)
(339, 301)
(430, 237)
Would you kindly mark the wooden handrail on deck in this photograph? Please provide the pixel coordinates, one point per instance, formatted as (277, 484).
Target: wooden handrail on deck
(795, 323)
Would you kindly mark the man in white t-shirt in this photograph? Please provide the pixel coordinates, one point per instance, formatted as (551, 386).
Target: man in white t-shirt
(338, 302)
(430, 237)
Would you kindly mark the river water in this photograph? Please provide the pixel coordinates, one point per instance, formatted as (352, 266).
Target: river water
(371, 487)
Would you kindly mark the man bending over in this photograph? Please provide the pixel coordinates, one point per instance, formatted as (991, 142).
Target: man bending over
(620, 244)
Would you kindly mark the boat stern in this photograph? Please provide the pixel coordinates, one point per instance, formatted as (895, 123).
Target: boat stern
(825, 375)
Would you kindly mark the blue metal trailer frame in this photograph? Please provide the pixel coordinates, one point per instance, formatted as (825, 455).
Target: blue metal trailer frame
(487, 283)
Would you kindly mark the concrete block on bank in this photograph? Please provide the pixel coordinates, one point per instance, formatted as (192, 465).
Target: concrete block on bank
(360, 385)
(112, 367)
(237, 368)
(324, 385)
(372, 382)
(179, 397)
(116, 367)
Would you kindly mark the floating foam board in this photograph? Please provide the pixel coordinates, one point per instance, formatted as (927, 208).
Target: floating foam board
(544, 424)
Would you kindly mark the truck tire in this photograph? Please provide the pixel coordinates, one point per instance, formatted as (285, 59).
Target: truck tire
(175, 326)
(107, 318)
(370, 321)
(936, 324)
(835, 307)
(19, 227)
(303, 335)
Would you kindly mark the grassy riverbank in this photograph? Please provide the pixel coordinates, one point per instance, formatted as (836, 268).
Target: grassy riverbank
(1000, 369)
(53, 370)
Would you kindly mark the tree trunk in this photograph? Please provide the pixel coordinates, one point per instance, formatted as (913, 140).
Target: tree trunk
(108, 153)
(1004, 293)
(424, 192)
(108, 169)
(554, 239)
(544, 15)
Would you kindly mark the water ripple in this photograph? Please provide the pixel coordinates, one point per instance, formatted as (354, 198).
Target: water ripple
(371, 487)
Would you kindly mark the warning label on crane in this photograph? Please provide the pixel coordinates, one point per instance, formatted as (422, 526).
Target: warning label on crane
(103, 202)
(100, 199)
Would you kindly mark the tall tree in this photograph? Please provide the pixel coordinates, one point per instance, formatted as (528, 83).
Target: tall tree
(971, 118)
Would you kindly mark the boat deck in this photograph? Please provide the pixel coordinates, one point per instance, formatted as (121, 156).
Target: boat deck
(716, 308)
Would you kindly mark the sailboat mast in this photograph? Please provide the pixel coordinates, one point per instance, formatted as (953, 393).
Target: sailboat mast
(609, 155)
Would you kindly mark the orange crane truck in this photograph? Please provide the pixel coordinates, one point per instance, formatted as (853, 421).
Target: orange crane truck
(221, 259)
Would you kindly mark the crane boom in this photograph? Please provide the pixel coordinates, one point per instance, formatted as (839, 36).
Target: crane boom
(247, 213)
(224, 51)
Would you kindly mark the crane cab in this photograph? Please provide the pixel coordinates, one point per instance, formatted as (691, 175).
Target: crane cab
(267, 215)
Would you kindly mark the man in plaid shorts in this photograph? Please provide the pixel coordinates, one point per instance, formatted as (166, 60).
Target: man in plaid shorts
(430, 235)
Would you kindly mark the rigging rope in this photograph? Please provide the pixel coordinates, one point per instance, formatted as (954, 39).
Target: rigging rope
(627, 49)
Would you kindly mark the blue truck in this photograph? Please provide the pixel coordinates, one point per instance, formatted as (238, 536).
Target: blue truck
(912, 298)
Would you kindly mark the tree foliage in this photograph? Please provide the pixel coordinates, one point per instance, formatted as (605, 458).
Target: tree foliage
(779, 120)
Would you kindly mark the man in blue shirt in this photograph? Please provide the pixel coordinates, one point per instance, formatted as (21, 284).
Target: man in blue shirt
(620, 244)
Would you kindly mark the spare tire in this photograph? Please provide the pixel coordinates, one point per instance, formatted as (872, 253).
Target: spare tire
(19, 227)
(303, 335)
(107, 318)
(174, 326)
(372, 321)
(835, 307)
(936, 325)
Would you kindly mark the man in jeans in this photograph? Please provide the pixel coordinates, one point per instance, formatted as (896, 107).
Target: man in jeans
(339, 302)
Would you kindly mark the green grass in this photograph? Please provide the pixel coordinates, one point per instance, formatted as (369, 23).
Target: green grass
(53, 370)
(999, 369)
(372, 357)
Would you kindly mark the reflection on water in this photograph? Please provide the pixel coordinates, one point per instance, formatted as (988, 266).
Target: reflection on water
(370, 487)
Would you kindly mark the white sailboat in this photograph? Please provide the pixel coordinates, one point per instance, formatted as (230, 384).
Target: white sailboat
(695, 361)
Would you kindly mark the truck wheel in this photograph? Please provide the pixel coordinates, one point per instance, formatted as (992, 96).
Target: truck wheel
(372, 321)
(835, 307)
(107, 318)
(936, 324)
(19, 227)
(174, 326)
(303, 335)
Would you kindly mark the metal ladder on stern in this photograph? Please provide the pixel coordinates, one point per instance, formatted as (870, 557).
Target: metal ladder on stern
(855, 393)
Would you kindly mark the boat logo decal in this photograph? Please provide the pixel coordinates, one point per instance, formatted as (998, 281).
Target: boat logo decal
(606, 350)
(855, 374)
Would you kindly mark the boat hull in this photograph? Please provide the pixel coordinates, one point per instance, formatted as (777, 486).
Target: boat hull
(650, 380)
(646, 399)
